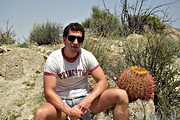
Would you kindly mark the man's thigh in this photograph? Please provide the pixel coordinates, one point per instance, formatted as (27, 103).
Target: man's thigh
(51, 112)
(105, 101)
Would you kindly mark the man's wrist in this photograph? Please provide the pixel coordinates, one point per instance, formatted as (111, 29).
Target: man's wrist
(66, 109)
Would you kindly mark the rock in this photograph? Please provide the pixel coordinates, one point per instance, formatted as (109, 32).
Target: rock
(19, 62)
(141, 110)
(4, 49)
(21, 81)
(30, 117)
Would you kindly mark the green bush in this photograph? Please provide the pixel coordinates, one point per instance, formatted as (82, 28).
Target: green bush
(7, 40)
(103, 23)
(154, 23)
(98, 50)
(46, 33)
(144, 23)
(7, 35)
(101, 49)
(23, 45)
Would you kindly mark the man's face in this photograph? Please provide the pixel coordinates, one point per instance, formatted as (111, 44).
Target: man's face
(74, 41)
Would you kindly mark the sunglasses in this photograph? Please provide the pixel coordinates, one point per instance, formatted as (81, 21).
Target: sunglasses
(72, 38)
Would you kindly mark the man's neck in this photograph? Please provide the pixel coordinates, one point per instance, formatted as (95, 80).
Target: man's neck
(68, 55)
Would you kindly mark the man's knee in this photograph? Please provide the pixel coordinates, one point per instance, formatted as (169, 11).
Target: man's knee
(40, 113)
(122, 96)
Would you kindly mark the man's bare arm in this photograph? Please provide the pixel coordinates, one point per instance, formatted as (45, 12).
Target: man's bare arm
(55, 100)
(100, 87)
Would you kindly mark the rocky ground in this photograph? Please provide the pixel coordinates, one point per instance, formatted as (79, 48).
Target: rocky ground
(21, 86)
(21, 83)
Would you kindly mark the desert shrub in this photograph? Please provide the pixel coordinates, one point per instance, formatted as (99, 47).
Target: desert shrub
(98, 50)
(154, 23)
(102, 50)
(45, 33)
(103, 23)
(157, 54)
(23, 45)
(7, 35)
(145, 23)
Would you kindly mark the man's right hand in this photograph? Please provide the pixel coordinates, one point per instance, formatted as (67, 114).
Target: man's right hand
(75, 113)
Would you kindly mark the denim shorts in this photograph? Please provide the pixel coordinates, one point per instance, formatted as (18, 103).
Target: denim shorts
(75, 101)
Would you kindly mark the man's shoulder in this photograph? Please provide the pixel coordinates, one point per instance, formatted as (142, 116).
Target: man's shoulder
(84, 51)
(56, 52)
(87, 54)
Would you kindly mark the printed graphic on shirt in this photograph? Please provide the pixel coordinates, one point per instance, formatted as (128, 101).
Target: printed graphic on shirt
(71, 73)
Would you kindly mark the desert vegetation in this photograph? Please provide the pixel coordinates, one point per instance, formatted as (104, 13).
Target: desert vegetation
(140, 38)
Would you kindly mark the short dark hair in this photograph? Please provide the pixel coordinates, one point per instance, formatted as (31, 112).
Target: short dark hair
(73, 27)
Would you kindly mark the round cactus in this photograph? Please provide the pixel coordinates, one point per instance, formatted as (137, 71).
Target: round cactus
(138, 83)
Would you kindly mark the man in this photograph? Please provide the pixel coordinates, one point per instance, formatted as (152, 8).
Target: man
(66, 83)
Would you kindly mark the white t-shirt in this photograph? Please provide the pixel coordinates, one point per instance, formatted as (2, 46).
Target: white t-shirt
(72, 77)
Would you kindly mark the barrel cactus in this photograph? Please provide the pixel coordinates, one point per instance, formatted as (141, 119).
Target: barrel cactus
(138, 83)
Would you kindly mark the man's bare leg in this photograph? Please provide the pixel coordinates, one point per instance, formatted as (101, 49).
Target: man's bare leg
(48, 112)
(112, 97)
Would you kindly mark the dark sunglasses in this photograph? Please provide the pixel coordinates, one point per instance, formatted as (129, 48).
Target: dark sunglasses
(72, 38)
